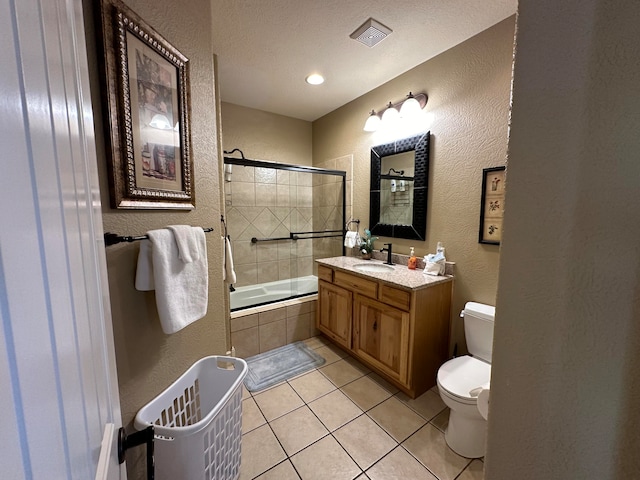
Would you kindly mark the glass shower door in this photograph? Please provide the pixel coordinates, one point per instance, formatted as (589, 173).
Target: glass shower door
(275, 214)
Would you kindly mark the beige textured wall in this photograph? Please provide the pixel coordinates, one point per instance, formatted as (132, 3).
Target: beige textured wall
(147, 359)
(265, 136)
(468, 88)
(565, 383)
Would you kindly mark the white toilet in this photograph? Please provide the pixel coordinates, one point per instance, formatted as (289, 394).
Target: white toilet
(467, 429)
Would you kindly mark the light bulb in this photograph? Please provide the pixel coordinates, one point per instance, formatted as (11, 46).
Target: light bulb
(390, 114)
(410, 107)
(373, 122)
(315, 79)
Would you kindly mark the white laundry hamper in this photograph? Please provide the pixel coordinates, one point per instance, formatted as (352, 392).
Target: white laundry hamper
(198, 422)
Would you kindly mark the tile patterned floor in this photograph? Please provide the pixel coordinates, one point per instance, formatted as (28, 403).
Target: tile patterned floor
(342, 421)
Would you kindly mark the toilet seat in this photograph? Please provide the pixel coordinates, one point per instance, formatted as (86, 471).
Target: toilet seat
(462, 374)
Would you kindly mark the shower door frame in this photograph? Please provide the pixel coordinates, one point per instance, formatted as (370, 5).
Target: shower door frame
(246, 162)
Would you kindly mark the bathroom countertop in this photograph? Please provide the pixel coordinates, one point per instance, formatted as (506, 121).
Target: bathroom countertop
(400, 277)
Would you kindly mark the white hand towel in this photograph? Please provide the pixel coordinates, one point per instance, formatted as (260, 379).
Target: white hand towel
(230, 273)
(186, 238)
(350, 239)
(144, 271)
(224, 258)
(181, 288)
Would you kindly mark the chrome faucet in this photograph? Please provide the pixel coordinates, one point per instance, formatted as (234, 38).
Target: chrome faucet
(388, 250)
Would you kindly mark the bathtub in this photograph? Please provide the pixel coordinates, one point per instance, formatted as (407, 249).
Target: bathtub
(261, 294)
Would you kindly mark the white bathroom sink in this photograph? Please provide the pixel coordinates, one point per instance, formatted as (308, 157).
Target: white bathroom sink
(373, 267)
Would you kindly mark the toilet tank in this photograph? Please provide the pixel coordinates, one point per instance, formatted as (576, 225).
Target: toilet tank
(478, 329)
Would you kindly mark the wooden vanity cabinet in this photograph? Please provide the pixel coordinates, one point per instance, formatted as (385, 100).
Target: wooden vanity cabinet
(381, 336)
(334, 313)
(401, 334)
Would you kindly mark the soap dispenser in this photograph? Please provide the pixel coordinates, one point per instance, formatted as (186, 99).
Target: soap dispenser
(413, 261)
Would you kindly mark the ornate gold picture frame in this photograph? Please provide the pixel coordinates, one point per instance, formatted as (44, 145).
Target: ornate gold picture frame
(146, 91)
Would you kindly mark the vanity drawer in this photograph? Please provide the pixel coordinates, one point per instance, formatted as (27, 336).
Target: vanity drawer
(396, 297)
(358, 284)
(325, 273)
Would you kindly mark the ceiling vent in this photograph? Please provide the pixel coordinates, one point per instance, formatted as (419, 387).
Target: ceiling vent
(371, 33)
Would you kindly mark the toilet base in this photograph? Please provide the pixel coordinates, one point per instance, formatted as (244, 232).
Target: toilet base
(466, 435)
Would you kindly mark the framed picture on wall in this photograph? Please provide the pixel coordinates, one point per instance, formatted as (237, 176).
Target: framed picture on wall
(492, 205)
(146, 90)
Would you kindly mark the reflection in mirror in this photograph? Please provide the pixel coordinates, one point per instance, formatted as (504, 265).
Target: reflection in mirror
(399, 175)
(396, 189)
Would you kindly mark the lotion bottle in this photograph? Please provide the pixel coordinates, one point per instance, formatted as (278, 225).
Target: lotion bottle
(413, 261)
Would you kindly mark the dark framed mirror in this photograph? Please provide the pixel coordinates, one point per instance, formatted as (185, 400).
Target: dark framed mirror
(399, 179)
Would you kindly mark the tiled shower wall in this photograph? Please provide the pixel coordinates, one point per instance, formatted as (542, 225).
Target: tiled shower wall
(396, 207)
(327, 206)
(265, 203)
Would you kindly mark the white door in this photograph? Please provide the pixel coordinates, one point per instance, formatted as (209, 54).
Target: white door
(58, 386)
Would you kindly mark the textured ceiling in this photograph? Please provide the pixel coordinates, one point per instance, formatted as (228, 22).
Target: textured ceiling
(266, 48)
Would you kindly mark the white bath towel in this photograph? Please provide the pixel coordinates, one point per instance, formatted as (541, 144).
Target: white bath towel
(181, 288)
(186, 238)
(144, 271)
(229, 274)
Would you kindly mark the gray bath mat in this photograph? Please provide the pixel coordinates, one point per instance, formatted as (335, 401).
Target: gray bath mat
(268, 368)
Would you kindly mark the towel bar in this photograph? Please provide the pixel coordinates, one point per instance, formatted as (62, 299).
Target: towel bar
(113, 238)
(296, 236)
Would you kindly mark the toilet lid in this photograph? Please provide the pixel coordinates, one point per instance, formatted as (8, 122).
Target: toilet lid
(462, 374)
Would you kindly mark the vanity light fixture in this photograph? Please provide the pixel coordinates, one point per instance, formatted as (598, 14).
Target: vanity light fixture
(409, 108)
(314, 79)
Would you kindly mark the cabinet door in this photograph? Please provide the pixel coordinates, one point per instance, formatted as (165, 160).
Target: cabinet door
(381, 336)
(333, 316)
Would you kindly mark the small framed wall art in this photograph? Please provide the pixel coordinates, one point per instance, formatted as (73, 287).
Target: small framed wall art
(492, 205)
(146, 91)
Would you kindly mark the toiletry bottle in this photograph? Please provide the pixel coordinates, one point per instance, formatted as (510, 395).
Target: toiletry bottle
(440, 248)
(413, 261)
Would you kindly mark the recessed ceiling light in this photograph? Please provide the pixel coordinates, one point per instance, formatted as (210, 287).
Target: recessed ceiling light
(314, 79)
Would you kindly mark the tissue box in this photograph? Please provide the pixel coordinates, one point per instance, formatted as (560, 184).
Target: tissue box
(434, 264)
